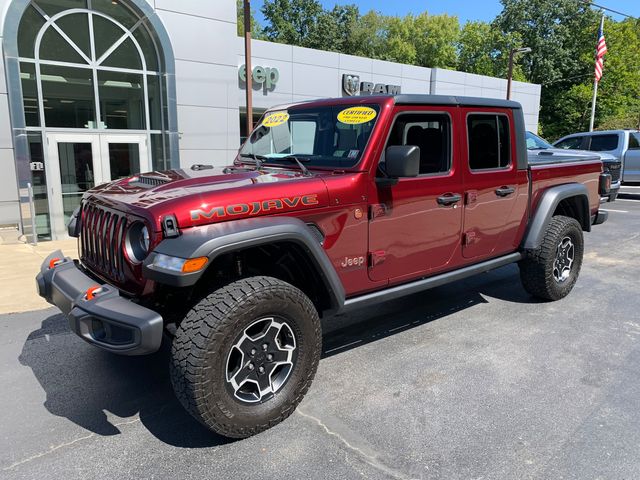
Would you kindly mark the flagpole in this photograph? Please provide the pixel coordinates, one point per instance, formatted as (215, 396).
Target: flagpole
(595, 88)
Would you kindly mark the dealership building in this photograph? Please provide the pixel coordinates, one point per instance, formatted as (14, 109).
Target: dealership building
(94, 90)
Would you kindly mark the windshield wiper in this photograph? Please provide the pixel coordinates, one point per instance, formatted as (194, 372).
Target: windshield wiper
(292, 158)
(258, 159)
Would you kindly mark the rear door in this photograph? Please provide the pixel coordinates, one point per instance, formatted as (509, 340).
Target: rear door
(631, 160)
(415, 225)
(496, 191)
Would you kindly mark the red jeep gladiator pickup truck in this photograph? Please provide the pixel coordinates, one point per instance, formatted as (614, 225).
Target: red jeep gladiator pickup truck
(330, 205)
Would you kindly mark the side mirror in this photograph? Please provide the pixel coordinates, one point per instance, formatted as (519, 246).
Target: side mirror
(400, 161)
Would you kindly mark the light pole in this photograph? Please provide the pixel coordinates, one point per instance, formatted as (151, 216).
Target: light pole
(247, 63)
(512, 53)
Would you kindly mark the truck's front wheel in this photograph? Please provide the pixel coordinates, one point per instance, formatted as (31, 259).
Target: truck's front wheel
(551, 271)
(245, 355)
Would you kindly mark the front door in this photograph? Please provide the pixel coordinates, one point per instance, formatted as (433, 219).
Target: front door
(78, 162)
(415, 225)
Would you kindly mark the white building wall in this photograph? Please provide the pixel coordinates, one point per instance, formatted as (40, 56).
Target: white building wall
(9, 204)
(203, 36)
(307, 74)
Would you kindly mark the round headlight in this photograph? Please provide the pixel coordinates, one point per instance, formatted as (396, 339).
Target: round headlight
(137, 242)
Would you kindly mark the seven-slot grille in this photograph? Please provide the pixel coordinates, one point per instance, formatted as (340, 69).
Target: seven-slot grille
(614, 170)
(101, 237)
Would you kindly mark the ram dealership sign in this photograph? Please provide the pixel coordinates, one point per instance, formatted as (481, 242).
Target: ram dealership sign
(351, 85)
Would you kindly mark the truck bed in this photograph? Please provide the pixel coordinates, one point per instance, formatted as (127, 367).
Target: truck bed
(559, 171)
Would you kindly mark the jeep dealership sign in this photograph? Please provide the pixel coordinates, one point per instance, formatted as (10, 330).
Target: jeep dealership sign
(264, 76)
(351, 85)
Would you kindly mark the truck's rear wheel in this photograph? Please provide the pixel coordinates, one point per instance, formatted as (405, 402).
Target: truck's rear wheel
(551, 271)
(245, 355)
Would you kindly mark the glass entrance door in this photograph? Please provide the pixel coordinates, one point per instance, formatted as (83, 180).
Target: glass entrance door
(79, 162)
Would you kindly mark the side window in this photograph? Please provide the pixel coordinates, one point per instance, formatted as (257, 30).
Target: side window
(431, 132)
(634, 141)
(603, 143)
(571, 143)
(489, 141)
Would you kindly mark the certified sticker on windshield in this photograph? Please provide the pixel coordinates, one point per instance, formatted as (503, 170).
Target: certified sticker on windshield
(274, 119)
(356, 115)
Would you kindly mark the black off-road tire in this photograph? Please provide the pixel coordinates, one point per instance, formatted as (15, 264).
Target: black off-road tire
(537, 269)
(207, 334)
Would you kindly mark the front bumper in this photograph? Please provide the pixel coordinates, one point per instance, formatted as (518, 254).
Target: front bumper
(107, 320)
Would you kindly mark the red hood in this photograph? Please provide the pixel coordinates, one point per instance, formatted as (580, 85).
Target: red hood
(212, 195)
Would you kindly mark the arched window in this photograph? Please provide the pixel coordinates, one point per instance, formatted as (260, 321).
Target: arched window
(91, 88)
(93, 67)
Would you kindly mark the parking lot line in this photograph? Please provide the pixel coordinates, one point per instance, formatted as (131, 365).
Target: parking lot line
(627, 200)
(612, 210)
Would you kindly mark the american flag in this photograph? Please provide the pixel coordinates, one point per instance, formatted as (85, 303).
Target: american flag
(601, 49)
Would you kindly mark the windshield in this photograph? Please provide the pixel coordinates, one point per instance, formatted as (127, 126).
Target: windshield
(332, 136)
(534, 142)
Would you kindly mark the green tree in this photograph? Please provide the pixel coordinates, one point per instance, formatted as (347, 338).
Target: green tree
(435, 38)
(256, 29)
(619, 90)
(367, 36)
(484, 50)
(291, 21)
(331, 31)
(561, 36)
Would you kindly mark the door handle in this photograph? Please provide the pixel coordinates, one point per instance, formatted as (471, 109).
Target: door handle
(505, 191)
(449, 199)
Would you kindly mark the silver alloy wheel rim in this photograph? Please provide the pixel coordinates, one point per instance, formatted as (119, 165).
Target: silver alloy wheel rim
(260, 362)
(563, 262)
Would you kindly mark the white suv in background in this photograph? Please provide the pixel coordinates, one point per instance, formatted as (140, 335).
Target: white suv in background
(622, 144)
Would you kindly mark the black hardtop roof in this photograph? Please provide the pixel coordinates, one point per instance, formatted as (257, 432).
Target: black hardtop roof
(409, 99)
(424, 99)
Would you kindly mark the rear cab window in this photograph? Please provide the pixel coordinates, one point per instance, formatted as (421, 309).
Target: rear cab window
(571, 143)
(489, 141)
(604, 143)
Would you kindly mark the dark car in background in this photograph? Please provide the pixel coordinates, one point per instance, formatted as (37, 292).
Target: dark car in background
(541, 151)
(622, 144)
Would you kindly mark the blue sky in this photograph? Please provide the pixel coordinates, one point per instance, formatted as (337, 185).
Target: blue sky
(464, 9)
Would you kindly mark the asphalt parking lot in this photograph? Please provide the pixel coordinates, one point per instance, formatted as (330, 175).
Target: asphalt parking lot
(472, 380)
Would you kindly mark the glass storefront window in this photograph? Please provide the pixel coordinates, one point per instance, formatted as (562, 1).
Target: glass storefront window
(105, 33)
(68, 96)
(30, 24)
(148, 48)
(30, 94)
(160, 151)
(98, 73)
(125, 56)
(116, 10)
(121, 100)
(52, 7)
(39, 182)
(76, 26)
(54, 47)
(124, 159)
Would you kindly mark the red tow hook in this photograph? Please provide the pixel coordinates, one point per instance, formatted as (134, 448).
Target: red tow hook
(53, 262)
(92, 291)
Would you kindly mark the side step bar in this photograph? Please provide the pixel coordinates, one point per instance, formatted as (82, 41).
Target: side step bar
(427, 283)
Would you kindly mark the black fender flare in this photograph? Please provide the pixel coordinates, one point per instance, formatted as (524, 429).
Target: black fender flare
(219, 238)
(547, 205)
